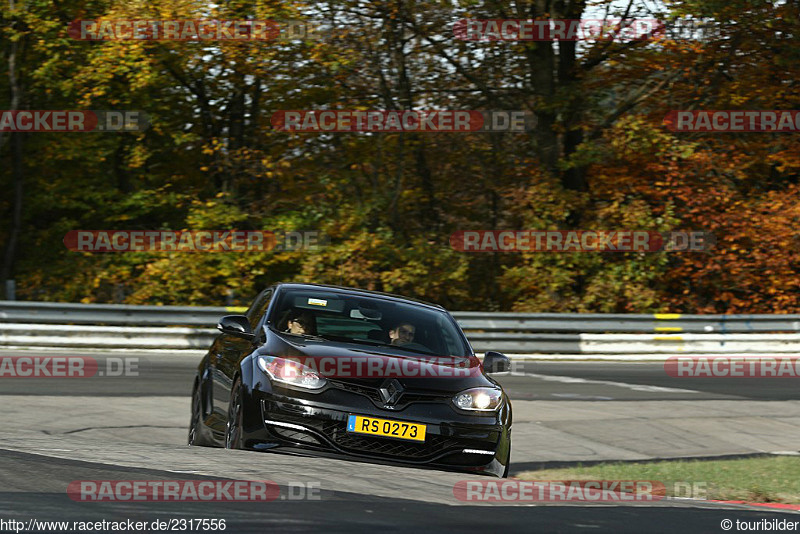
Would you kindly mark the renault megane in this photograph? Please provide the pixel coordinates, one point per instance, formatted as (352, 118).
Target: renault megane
(328, 370)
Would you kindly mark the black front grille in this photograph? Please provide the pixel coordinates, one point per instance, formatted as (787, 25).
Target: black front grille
(372, 393)
(433, 445)
(406, 398)
(295, 435)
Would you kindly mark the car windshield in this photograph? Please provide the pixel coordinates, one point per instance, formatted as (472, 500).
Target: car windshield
(367, 320)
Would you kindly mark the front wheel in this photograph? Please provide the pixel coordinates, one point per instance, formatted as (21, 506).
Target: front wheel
(194, 422)
(233, 430)
(508, 460)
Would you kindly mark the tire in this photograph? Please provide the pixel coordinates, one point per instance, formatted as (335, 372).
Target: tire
(195, 422)
(233, 430)
(508, 460)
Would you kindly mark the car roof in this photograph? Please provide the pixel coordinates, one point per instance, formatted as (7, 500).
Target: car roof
(342, 289)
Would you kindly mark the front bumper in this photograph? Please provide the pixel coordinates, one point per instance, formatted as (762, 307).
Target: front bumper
(318, 425)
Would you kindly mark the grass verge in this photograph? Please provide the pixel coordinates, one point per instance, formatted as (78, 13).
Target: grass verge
(764, 479)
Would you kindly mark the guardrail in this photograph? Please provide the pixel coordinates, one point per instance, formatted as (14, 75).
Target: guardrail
(207, 316)
(111, 314)
(103, 326)
(626, 323)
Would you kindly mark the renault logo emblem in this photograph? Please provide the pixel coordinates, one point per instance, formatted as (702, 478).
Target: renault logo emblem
(391, 390)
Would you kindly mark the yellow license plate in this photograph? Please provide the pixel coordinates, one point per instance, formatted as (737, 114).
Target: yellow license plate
(384, 427)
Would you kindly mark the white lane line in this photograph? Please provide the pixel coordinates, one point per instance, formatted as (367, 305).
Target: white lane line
(634, 387)
(578, 396)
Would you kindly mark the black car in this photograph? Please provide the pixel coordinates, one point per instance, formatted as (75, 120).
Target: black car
(329, 370)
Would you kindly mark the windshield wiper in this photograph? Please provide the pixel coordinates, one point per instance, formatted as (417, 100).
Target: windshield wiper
(371, 343)
(400, 347)
(305, 336)
(332, 337)
(368, 342)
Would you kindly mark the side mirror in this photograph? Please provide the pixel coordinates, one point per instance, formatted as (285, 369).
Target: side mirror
(236, 325)
(495, 362)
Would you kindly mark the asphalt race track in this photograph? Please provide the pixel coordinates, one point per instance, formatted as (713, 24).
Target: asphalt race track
(56, 431)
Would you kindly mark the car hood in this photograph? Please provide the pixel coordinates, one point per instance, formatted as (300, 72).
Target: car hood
(373, 366)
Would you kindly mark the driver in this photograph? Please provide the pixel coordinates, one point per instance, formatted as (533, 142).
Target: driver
(301, 322)
(402, 334)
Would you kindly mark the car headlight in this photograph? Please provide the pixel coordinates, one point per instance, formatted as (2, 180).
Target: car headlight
(291, 372)
(479, 399)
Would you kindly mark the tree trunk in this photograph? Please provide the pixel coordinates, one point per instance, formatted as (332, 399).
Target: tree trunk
(17, 173)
